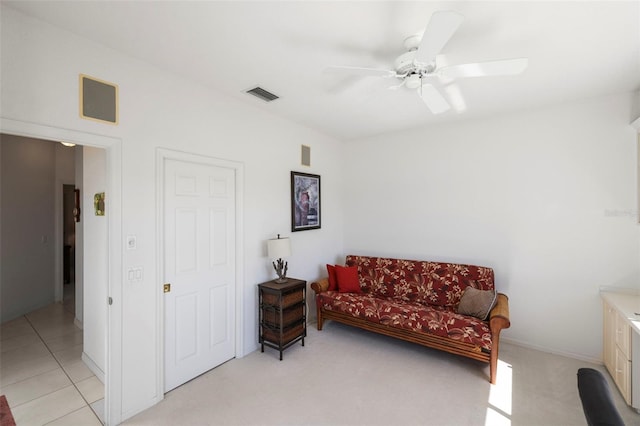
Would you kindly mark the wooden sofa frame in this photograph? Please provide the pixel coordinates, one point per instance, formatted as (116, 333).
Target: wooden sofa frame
(498, 319)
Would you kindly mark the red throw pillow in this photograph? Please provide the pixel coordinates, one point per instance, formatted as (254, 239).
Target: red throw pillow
(348, 281)
(333, 280)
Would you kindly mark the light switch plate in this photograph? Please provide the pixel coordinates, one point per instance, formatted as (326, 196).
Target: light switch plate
(135, 274)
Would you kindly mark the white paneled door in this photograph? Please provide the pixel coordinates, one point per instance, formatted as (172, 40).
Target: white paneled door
(199, 264)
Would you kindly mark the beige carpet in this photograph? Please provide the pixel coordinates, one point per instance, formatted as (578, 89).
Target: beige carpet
(346, 376)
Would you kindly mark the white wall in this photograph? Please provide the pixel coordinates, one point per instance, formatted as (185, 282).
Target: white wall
(64, 164)
(635, 107)
(28, 174)
(39, 79)
(96, 266)
(31, 161)
(547, 198)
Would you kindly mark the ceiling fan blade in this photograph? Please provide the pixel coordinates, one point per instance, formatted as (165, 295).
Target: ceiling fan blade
(359, 71)
(441, 27)
(433, 99)
(481, 69)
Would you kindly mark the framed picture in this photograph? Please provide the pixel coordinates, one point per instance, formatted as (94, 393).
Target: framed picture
(76, 207)
(305, 201)
(98, 203)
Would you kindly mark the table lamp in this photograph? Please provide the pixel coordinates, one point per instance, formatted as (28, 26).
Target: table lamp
(277, 248)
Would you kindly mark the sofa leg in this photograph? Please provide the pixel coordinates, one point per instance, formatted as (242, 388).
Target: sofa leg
(319, 319)
(492, 372)
(493, 363)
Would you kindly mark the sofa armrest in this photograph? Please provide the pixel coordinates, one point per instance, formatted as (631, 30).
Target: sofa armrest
(498, 319)
(320, 285)
(499, 315)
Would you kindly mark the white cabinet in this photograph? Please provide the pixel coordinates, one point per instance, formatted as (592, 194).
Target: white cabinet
(622, 375)
(617, 344)
(609, 343)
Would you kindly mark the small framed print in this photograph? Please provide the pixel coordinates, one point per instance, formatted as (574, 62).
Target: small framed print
(305, 201)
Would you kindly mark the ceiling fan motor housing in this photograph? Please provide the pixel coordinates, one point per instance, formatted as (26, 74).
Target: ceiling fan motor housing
(404, 63)
(411, 71)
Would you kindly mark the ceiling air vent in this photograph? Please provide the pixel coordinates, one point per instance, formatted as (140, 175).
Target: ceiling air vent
(259, 92)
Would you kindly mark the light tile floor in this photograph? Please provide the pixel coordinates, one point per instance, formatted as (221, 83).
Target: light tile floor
(42, 373)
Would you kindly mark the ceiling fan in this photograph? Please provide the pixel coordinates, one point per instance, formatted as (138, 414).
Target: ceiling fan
(417, 68)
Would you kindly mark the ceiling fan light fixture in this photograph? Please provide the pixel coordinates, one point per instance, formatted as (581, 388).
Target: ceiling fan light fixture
(413, 81)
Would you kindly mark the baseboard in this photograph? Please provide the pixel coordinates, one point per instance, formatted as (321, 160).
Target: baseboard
(552, 351)
(77, 323)
(93, 367)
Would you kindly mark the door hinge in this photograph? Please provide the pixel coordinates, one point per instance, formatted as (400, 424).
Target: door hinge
(110, 301)
(167, 288)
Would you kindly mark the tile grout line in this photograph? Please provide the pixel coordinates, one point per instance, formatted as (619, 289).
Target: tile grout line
(65, 373)
(44, 372)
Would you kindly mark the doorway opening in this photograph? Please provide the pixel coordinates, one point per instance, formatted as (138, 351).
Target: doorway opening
(40, 180)
(112, 334)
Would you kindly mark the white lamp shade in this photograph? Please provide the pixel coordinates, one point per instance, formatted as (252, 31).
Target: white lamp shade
(279, 248)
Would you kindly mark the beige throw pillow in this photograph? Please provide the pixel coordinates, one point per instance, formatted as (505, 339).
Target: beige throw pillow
(477, 303)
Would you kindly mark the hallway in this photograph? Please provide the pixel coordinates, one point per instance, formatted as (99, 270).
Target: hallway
(42, 373)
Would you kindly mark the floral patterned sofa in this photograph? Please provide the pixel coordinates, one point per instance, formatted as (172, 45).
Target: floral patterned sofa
(418, 301)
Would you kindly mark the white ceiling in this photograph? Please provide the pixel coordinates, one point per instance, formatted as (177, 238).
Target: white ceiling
(576, 50)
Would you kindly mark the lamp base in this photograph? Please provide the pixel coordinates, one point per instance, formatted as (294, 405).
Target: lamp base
(281, 269)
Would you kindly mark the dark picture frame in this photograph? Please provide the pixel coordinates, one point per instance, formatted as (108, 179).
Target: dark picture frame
(305, 201)
(76, 207)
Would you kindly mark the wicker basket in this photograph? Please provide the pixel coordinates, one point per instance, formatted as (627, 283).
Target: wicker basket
(288, 334)
(289, 316)
(288, 299)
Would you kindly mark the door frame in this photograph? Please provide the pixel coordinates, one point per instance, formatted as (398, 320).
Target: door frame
(163, 154)
(113, 148)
